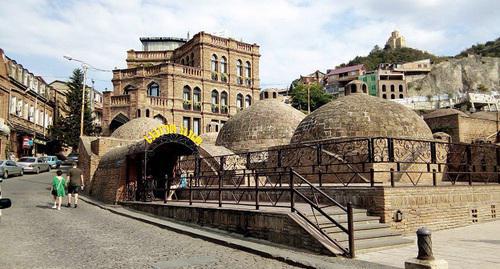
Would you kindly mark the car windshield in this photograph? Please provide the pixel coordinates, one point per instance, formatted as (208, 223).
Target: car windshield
(27, 160)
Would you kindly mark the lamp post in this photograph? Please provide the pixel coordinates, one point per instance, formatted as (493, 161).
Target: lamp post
(85, 67)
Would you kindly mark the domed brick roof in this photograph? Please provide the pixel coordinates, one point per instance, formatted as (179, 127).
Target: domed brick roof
(444, 112)
(361, 115)
(136, 129)
(265, 124)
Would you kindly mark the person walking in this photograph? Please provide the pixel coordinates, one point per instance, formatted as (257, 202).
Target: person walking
(75, 178)
(58, 189)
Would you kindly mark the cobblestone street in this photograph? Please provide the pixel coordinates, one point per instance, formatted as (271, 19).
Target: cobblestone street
(33, 235)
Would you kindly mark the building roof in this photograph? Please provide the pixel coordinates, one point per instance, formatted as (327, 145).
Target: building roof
(485, 115)
(346, 69)
(265, 124)
(136, 129)
(443, 113)
(361, 115)
(162, 38)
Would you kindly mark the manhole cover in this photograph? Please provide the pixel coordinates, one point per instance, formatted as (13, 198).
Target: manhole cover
(184, 262)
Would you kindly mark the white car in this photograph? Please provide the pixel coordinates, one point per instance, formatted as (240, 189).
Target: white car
(33, 164)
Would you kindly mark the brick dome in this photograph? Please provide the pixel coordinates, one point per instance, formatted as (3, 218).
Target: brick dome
(136, 128)
(265, 124)
(361, 115)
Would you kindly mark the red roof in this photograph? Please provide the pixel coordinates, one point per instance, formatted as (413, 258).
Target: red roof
(346, 69)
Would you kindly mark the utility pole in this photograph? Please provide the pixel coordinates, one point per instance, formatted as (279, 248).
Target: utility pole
(84, 66)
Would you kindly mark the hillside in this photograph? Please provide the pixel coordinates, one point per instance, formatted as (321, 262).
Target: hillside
(388, 55)
(489, 49)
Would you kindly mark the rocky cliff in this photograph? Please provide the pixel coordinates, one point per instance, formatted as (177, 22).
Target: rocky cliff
(459, 75)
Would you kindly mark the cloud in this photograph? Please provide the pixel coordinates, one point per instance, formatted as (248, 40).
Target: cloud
(296, 37)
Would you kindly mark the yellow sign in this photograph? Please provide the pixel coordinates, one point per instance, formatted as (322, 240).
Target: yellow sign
(172, 129)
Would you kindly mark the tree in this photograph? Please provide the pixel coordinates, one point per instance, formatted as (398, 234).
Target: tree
(318, 96)
(71, 124)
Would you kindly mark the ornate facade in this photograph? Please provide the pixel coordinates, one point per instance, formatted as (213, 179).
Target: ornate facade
(197, 83)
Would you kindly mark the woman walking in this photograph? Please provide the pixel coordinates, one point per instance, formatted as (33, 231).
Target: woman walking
(58, 189)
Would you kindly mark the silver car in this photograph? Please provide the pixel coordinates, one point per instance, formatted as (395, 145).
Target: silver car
(33, 164)
(9, 168)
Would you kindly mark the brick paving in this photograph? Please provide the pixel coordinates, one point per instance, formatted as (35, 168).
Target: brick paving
(35, 236)
(474, 246)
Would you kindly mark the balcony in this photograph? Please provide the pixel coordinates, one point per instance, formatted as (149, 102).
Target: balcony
(197, 106)
(214, 76)
(120, 100)
(248, 82)
(224, 109)
(155, 70)
(224, 77)
(239, 80)
(215, 108)
(157, 101)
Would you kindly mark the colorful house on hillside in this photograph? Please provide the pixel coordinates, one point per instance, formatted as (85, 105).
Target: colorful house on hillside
(370, 78)
(336, 79)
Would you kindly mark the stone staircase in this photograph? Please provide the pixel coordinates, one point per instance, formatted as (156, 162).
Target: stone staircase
(369, 233)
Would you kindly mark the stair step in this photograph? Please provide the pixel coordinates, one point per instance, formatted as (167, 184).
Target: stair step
(324, 222)
(364, 245)
(359, 226)
(365, 234)
(335, 212)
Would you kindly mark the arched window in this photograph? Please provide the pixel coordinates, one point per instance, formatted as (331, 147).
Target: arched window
(213, 63)
(186, 97)
(354, 88)
(393, 96)
(215, 101)
(25, 112)
(384, 88)
(127, 89)
(401, 96)
(364, 88)
(392, 88)
(275, 95)
(239, 68)
(147, 113)
(223, 103)
(182, 61)
(266, 95)
(154, 89)
(400, 88)
(160, 118)
(197, 99)
(248, 101)
(239, 100)
(138, 113)
(247, 69)
(187, 60)
(384, 96)
(223, 65)
(192, 59)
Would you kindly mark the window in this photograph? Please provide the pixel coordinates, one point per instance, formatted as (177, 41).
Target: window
(384, 88)
(215, 101)
(393, 96)
(19, 108)
(127, 89)
(197, 99)
(401, 96)
(239, 101)
(25, 111)
(186, 123)
(31, 116)
(392, 88)
(40, 118)
(239, 72)
(138, 113)
(186, 97)
(223, 65)
(182, 61)
(384, 96)
(45, 120)
(188, 60)
(266, 95)
(364, 88)
(154, 89)
(400, 88)
(248, 101)
(196, 126)
(223, 103)
(275, 95)
(354, 88)
(147, 113)
(247, 69)
(213, 63)
(192, 59)
(13, 104)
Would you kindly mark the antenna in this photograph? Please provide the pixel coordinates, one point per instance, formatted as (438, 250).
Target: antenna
(188, 35)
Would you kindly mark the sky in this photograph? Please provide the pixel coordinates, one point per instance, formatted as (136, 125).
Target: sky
(296, 37)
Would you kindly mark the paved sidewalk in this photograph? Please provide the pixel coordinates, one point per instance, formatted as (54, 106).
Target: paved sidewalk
(474, 246)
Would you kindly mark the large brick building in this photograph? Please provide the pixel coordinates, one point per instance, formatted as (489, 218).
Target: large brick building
(26, 109)
(197, 83)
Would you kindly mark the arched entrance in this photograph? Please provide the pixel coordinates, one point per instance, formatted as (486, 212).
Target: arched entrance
(117, 121)
(160, 164)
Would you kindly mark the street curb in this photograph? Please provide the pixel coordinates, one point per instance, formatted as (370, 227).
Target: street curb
(261, 249)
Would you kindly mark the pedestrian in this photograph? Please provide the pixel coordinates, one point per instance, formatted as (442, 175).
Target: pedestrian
(75, 178)
(58, 189)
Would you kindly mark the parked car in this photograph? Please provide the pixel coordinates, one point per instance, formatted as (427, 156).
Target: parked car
(33, 164)
(10, 168)
(53, 161)
(72, 158)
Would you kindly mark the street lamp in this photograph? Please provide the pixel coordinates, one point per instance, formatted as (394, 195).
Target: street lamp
(85, 67)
